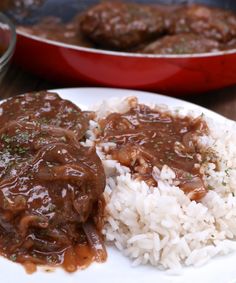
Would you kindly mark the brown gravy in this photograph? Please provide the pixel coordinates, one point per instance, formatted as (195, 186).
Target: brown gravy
(146, 138)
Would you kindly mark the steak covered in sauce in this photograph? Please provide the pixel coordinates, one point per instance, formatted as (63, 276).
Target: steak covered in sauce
(120, 25)
(45, 108)
(182, 44)
(51, 187)
(210, 22)
(145, 138)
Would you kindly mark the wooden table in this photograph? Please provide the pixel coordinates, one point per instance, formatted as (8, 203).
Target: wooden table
(18, 81)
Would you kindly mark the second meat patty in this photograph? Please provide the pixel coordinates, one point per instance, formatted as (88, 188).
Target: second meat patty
(182, 44)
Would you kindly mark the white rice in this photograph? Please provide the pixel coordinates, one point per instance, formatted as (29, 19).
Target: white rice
(161, 225)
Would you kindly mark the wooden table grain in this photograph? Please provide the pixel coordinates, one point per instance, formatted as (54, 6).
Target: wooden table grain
(18, 81)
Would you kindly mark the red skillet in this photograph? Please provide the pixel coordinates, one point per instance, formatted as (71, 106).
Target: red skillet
(173, 75)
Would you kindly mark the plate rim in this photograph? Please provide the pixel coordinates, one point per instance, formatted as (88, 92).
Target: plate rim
(208, 112)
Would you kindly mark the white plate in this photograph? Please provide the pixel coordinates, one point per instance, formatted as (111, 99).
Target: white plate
(118, 268)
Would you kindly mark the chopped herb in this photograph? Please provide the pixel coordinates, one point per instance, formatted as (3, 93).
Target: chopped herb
(210, 187)
(233, 194)
(20, 150)
(24, 137)
(169, 157)
(30, 175)
(71, 110)
(63, 139)
(189, 176)
(227, 172)
(51, 259)
(44, 120)
(224, 183)
(13, 257)
(5, 138)
(51, 207)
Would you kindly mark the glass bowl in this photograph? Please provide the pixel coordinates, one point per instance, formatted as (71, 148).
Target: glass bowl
(7, 43)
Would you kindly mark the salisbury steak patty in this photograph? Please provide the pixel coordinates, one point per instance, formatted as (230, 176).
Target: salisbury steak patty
(46, 108)
(122, 25)
(207, 21)
(182, 44)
